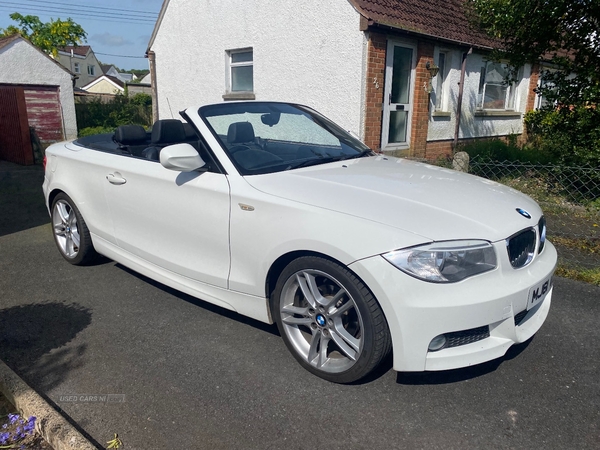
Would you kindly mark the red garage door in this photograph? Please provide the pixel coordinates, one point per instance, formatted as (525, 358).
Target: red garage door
(44, 113)
(15, 144)
(23, 107)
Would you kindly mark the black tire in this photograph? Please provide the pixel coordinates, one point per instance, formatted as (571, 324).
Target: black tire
(70, 232)
(343, 315)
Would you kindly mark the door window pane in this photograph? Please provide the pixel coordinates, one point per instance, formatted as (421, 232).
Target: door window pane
(401, 69)
(398, 123)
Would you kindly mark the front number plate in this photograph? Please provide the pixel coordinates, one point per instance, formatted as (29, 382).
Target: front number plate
(538, 293)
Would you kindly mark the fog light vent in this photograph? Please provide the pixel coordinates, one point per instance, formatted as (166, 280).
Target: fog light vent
(465, 337)
(437, 343)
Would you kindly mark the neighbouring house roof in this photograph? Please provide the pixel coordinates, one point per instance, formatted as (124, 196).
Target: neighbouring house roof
(442, 19)
(147, 79)
(113, 80)
(7, 40)
(105, 67)
(81, 50)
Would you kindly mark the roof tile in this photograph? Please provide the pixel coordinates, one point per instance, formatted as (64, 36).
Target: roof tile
(445, 19)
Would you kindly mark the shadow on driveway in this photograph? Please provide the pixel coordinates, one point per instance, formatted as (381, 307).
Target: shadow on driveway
(33, 339)
(21, 198)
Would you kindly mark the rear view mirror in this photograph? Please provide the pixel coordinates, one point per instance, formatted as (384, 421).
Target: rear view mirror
(181, 157)
(270, 118)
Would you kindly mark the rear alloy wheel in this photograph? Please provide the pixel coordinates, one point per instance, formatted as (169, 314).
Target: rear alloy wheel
(329, 320)
(71, 234)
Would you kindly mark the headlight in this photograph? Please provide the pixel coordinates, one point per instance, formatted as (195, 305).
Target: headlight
(445, 262)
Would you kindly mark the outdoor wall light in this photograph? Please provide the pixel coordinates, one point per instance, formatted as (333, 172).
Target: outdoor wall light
(433, 71)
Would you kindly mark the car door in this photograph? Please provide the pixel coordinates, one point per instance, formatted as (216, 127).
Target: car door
(178, 221)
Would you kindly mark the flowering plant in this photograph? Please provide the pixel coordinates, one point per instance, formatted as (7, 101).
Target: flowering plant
(15, 430)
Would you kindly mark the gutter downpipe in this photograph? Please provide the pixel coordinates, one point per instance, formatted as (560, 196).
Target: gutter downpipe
(461, 83)
(154, 89)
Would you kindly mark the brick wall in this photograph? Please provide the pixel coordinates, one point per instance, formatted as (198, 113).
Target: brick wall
(375, 79)
(533, 82)
(438, 149)
(374, 90)
(420, 107)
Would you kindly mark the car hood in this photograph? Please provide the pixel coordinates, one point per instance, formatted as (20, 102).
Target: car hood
(430, 201)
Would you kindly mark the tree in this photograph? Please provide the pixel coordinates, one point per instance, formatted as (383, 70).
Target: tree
(564, 33)
(47, 36)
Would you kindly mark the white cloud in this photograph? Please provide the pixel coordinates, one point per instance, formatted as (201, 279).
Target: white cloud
(111, 40)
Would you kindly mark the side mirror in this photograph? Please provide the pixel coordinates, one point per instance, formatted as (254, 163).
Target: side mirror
(181, 157)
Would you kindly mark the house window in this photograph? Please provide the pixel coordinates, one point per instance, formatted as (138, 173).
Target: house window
(541, 101)
(241, 73)
(494, 91)
(91, 70)
(76, 68)
(441, 80)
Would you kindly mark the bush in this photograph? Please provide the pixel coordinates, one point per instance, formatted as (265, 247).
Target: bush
(89, 131)
(571, 136)
(509, 150)
(122, 110)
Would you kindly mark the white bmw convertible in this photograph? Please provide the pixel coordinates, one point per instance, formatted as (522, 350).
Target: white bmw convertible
(271, 210)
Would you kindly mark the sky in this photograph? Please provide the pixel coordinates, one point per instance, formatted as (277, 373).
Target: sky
(117, 30)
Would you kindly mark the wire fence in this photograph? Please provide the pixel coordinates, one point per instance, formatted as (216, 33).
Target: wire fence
(570, 198)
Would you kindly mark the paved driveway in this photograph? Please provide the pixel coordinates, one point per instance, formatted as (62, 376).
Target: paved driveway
(184, 374)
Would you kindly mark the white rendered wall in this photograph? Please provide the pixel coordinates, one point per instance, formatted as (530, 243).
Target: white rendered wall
(310, 52)
(442, 128)
(21, 63)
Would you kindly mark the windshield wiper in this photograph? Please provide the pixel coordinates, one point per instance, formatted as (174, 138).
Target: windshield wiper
(367, 152)
(314, 162)
(328, 159)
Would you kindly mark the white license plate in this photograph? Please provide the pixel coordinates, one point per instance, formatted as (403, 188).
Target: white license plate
(538, 293)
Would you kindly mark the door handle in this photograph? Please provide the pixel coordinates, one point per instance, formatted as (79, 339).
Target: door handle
(115, 178)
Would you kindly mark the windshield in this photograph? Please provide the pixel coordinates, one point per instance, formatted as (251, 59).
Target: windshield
(261, 137)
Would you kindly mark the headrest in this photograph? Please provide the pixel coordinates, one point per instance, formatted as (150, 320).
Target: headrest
(168, 131)
(130, 134)
(240, 132)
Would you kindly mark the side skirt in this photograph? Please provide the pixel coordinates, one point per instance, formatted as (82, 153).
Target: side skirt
(247, 305)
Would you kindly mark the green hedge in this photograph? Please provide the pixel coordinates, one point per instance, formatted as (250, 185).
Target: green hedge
(122, 110)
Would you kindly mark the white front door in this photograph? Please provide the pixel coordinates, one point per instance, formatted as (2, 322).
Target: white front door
(397, 101)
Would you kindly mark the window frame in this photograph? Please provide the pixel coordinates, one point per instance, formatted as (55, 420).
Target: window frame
(76, 67)
(232, 65)
(91, 70)
(441, 80)
(510, 95)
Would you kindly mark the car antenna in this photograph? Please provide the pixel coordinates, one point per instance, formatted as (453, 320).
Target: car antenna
(170, 110)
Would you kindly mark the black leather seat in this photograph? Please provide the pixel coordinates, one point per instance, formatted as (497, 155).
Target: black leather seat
(240, 133)
(164, 132)
(131, 139)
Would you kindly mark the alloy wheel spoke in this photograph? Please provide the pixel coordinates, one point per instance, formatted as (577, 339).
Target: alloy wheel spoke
(75, 237)
(61, 208)
(314, 345)
(59, 230)
(323, 351)
(347, 344)
(69, 246)
(298, 311)
(305, 288)
(342, 309)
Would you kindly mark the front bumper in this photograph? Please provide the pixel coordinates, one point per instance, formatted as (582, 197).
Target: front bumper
(418, 311)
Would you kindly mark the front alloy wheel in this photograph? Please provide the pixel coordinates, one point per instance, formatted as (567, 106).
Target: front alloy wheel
(329, 320)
